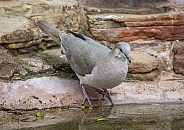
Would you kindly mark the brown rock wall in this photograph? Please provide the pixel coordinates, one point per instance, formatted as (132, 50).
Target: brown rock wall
(166, 26)
(142, 62)
(18, 21)
(150, 76)
(8, 67)
(178, 48)
(178, 64)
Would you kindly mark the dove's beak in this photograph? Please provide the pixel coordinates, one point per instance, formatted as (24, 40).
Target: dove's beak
(128, 58)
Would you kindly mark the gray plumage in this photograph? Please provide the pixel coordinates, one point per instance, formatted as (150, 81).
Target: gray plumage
(94, 64)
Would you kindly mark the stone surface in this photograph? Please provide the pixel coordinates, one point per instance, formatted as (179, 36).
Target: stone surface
(18, 20)
(177, 3)
(170, 17)
(178, 64)
(157, 4)
(22, 45)
(20, 32)
(8, 67)
(161, 50)
(33, 63)
(178, 48)
(166, 26)
(44, 61)
(47, 92)
(168, 89)
(154, 32)
(55, 58)
(134, 10)
(150, 76)
(150, 57)
(144, 67)
(142, 62)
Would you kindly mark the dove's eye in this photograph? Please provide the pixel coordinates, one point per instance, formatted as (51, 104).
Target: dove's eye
(121, 50)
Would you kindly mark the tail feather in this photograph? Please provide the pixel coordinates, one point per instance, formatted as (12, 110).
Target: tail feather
(50, 30)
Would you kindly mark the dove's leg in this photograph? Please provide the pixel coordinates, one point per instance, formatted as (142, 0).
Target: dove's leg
(107, 93)
(85, 96)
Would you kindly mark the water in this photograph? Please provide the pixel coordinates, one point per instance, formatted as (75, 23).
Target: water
(124, 117)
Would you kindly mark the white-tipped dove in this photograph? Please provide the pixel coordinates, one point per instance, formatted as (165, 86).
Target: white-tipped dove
(94, 64)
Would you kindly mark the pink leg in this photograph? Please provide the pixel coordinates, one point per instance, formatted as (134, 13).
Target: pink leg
(107, 93)
(85, 96)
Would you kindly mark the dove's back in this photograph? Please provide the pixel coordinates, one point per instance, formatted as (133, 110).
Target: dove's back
(82, 53)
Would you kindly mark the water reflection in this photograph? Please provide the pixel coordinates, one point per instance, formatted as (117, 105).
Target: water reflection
(125, 117)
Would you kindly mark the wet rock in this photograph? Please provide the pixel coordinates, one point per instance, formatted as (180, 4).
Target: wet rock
(47, 92)
(8, 67)
(148, 116)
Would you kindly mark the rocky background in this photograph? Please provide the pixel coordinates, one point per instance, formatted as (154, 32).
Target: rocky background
(30, 62)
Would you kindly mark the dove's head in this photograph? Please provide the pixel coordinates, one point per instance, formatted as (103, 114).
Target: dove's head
(124, 48)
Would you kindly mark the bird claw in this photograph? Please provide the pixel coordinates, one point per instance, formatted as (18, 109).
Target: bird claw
(107, 93)
(113, 93)
(86, 97)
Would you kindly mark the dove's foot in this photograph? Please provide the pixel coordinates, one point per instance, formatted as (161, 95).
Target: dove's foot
(107, 93)
(86, 97)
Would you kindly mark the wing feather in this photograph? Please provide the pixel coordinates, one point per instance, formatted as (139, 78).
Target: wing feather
(83, 56)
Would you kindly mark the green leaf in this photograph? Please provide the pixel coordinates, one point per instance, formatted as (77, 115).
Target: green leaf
(40, 114)
(101, 119)
(83, 107)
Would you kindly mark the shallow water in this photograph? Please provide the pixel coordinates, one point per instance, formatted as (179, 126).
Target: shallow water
(124, 117)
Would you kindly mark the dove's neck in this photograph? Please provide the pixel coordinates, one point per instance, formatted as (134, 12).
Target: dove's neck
(118, 54)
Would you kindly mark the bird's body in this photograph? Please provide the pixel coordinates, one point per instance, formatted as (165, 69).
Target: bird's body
(106, 74)
(94, 64)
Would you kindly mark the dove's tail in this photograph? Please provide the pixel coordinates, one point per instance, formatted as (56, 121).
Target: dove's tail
(53, 32)
(50, 30)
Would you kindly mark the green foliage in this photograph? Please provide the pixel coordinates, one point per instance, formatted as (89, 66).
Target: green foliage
(100, 119)
(40, 114)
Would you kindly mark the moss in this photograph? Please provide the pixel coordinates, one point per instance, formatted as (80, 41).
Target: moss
(23, 64)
